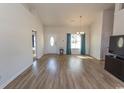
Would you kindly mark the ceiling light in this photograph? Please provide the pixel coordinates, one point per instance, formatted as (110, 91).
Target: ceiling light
(80, 32)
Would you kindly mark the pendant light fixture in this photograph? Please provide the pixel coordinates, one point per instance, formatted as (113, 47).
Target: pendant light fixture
(80, 32)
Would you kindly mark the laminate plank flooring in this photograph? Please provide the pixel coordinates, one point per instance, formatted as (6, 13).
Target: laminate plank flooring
(66, 72)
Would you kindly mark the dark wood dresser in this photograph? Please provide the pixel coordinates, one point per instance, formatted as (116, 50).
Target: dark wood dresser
(115, 65)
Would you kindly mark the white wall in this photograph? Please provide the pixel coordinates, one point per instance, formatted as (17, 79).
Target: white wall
(101, 30)
(107, 29)
(16, 25)
(118, 22)
(96, 33)
(59, 34)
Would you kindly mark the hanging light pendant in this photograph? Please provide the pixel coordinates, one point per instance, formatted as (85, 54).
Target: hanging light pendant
(78, 33)
(80, 23)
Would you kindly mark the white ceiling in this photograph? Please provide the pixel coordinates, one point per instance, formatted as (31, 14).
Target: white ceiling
(66, 14)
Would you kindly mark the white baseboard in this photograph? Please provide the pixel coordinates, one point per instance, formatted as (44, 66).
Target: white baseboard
(13, 77)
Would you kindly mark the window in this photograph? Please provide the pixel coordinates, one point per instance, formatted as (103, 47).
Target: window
(75, 41)
(52, 41)
(34, 45)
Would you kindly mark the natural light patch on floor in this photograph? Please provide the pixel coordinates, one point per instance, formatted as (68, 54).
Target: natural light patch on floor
(119, 87)
(75, 65)
(52, 66)
(35, 68)
(84, 57)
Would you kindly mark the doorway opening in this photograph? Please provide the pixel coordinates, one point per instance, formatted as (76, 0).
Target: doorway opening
(34, 45)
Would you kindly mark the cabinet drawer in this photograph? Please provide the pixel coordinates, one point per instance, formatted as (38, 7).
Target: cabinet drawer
(113, 65)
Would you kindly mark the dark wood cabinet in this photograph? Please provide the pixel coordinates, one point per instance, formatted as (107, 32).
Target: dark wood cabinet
(115, 66)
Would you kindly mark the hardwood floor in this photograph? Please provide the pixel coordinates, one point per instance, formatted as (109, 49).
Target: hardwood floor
(65, 72)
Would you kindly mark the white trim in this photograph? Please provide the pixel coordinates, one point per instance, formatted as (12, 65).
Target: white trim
(13, 77)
